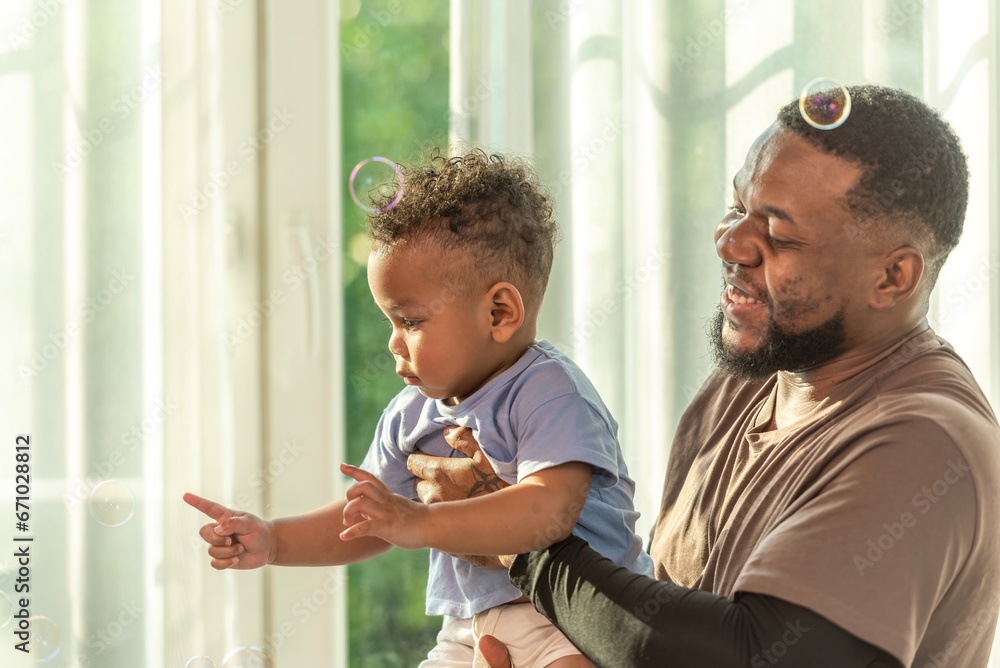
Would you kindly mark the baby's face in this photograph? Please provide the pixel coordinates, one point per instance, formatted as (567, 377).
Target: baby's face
(440, 337)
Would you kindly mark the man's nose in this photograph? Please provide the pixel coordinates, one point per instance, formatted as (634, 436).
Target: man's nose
(738, 242)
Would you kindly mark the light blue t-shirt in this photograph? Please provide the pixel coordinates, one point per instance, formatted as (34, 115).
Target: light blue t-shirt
(541, 412)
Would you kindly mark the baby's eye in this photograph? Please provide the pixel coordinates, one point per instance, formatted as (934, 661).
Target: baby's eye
(409, 324)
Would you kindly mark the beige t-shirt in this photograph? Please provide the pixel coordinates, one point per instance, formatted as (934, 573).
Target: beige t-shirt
(879, 511)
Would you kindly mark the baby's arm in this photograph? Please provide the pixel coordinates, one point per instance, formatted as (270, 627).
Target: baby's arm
(243, 541)
(541, 509)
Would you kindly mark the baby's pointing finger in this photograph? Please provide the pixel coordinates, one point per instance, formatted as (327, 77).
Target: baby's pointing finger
(211, 508)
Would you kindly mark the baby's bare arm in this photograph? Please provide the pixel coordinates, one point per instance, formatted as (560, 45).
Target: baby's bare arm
(542, 509)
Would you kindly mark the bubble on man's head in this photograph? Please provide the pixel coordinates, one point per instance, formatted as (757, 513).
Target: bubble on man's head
(825, 104)
(111, 503)
(43, 638)
(199, 662)
(376, 184)
(247, 657)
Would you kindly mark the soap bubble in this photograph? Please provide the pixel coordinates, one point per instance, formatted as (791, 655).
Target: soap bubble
(43, 641)
(247, 657)
(6, 610)
(825, 104)
(111, 503)
(379, 178)
(199, 662)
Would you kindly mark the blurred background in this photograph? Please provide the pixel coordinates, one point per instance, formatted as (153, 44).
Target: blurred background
(183, 269)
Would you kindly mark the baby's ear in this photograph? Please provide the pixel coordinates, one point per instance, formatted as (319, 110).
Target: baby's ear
(506, 311)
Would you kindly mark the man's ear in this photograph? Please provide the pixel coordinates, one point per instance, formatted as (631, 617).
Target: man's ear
(901, 272)
(506, 311)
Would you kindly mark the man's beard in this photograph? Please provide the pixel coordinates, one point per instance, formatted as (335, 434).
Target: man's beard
(780, 350)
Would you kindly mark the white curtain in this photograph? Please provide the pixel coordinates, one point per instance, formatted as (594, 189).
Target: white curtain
(171, 300)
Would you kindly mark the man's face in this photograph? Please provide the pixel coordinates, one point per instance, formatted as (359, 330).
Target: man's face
(794, 292)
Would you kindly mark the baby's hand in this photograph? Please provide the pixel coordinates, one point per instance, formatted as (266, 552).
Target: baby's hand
(236, 539)
(372, 510)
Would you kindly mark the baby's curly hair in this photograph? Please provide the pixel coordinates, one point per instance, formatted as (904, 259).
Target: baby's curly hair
(490, 207)
(915, 175)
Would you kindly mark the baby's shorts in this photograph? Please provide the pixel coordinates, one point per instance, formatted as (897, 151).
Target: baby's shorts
(531, 639)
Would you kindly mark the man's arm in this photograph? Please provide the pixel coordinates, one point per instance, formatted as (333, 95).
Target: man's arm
(616, 617)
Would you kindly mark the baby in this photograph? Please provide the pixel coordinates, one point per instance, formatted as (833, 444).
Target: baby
(459, 267)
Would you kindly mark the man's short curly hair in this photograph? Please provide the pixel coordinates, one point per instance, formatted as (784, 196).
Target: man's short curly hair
(916, 176)
(490, 207)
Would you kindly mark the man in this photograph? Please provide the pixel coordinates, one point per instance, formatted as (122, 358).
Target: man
(831, 497)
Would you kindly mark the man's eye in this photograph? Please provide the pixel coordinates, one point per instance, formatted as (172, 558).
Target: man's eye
(735, 208)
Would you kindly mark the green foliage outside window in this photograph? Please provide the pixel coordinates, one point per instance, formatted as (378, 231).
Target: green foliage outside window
(394, 70)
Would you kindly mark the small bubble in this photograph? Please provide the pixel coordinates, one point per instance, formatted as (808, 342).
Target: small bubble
(825, 104)
(199, 662)
(6, 610)
(111, 503)
(43, 641)
(247, 657)
(376, 184)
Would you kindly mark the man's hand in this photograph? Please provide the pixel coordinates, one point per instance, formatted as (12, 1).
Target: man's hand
(493, 652)
(372, 510)
(236, 539)
(457, 478)
(454, 478)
